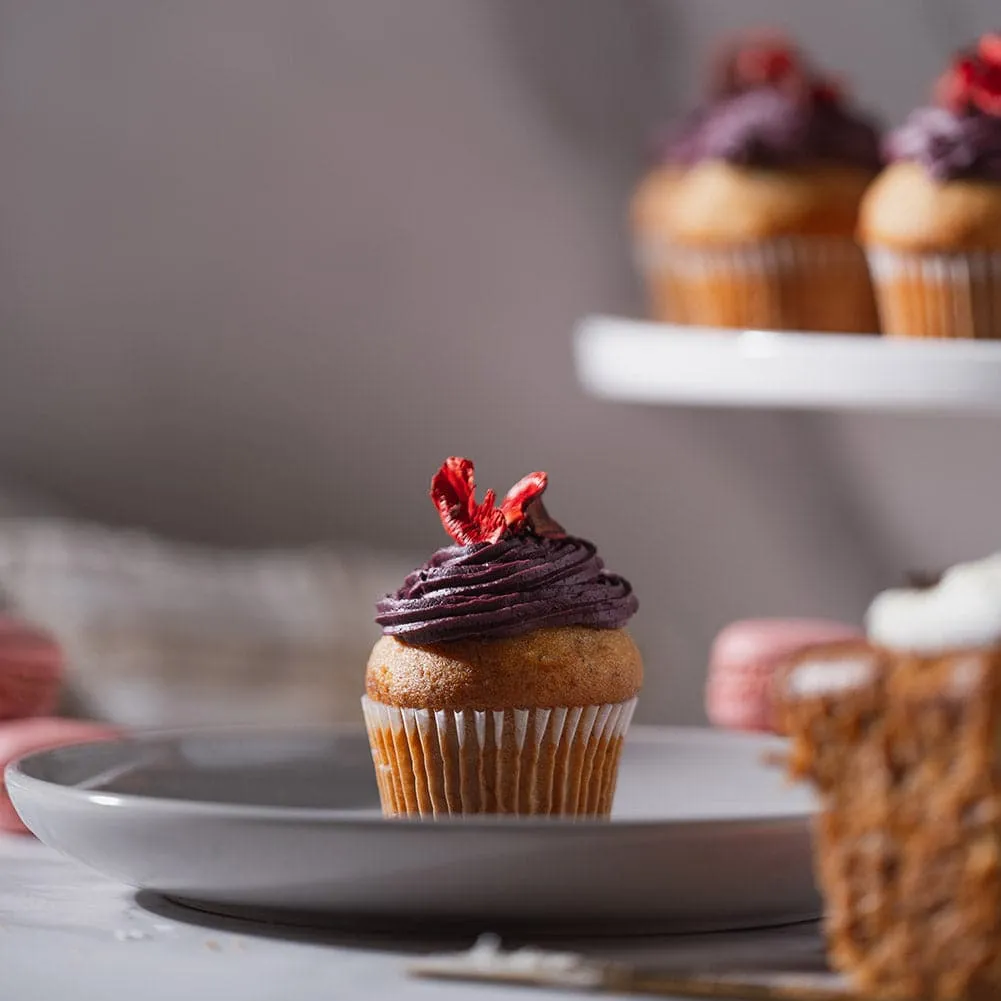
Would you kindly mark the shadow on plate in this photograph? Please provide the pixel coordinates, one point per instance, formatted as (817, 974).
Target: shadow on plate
(791, 947)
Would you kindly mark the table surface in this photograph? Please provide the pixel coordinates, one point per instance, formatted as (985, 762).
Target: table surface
(68, 932)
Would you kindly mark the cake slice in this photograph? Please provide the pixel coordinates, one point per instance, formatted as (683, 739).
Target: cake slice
(898, 734)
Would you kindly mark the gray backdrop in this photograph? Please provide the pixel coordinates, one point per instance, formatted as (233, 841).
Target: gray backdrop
(264, 264)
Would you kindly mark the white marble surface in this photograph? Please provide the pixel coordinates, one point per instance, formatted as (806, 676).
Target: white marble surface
(66, 931)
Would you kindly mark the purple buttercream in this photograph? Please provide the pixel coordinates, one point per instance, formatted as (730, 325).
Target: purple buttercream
(680, 143)
(506, 588)
(950, 145)
(767, 127)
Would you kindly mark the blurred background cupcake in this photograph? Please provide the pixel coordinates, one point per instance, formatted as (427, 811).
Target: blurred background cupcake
(932, 221)
(672, 152)
(760, 225)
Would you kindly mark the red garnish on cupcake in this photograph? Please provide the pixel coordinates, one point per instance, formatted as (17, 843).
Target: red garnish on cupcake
(453, 490)
(766, 61)
(973, 82)
(770, 59)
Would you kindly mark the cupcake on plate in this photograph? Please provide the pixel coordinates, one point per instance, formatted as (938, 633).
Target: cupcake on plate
(762, 225)
(504, 681)
(932, 222)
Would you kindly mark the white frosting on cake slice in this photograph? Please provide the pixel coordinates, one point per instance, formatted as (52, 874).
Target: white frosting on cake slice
(820, 676)
(962, 611)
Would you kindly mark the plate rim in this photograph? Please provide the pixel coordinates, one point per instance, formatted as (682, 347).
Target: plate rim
(18, 782)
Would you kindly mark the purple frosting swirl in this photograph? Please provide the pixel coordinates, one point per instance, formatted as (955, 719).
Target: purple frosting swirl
(949, 145)
(506, 588)
(680, 144)
(765, 127)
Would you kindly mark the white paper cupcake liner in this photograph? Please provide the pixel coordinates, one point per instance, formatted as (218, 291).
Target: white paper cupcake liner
(652, 257)
(938, 295)
(652, 254)
(560, 761)
(791, 283)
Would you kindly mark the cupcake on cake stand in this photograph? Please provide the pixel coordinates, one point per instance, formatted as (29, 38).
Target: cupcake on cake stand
(777, 159)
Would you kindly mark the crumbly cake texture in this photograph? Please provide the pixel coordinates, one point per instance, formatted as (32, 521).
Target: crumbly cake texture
(546, 668)
(903, 752)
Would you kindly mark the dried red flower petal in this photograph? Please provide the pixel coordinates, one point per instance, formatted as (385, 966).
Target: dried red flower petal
(987, 100)
(521, 495)
(828, 92)
(453, 490)
(757, 64)
(770, 59)
(952, 90)
(973, 81)
(523, 508)
(989, 48)
(750, 60)
(985, 90)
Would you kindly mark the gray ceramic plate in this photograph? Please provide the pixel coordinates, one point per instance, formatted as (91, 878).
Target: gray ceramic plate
(705, 834)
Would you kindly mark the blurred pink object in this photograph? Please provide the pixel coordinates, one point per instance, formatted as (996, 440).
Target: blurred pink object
(31, 668)
(40, 734)
(743, 660)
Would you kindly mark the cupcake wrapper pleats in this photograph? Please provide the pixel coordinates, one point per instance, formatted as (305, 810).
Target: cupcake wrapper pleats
(652, 258)
(791, 283)
(938, 295)
(560, 761)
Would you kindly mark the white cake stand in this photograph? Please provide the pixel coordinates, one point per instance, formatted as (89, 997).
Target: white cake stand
(642, 362)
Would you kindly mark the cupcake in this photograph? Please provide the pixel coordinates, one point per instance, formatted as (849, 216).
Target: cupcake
(899, 736)
(762, 225)
(649, 217)
(931, 223)
(504, 680)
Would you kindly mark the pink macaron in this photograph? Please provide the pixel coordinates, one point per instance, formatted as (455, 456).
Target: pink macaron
(31, 669)
(21, 737)
(743, 660)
